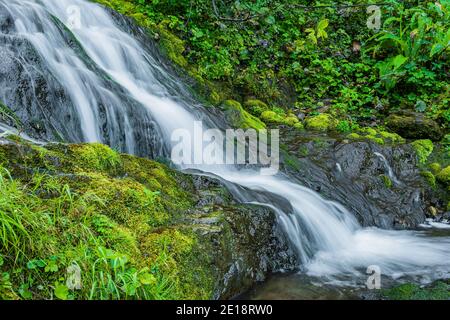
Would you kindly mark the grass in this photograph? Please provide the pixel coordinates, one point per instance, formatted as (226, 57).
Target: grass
(61, 209)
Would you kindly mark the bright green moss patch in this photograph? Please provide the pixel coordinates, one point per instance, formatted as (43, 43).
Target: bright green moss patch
(112, 216)
(387, 181)
(256, 107)
(435, 167)
(376, 135)
(423, 149)
(321, 122)
(354, 136)
(95, 156)
(429, 177)
(444, 176)
(239, 118)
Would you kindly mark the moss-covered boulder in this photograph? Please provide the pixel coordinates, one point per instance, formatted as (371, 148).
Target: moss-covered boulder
(423, 149)
(135, 228)
(274, 118)
(321, 122)
(239, 118)
(414, 126)
(444, 176)
(255, 107)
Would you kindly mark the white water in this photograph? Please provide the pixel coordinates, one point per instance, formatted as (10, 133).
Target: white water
(327, 238)
(387, 166)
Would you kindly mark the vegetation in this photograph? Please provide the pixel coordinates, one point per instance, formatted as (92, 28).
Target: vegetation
(439, 290)
(310, 57)
(114, 218)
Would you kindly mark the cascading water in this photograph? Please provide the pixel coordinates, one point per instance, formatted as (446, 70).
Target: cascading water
(121, 95)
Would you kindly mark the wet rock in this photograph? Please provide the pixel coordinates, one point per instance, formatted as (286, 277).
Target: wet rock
(380, 184)
(244, 242)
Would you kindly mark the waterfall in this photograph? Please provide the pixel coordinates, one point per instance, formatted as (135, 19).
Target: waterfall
(122, 95)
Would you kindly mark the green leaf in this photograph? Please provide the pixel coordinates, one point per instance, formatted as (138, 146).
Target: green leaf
(322, 24)
(398, 61)
(61, 291)
(51, 267)
(24, 292)
(36, 263)
(270, 20)
(147, 278)
(437, 47)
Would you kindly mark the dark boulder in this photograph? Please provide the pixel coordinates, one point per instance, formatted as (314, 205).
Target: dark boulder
(412, 125)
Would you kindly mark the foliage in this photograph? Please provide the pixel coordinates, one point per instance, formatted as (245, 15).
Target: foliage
(423, 149)
(85, 206)
(308, 60)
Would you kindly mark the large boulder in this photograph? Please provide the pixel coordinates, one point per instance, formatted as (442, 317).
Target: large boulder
(414, 125)
(381, 184)
(198, 242)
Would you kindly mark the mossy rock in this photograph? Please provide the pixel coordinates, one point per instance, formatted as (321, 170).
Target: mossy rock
(322, 122)
(86, 203)
(414, 126)
(423, 149)
(255, 107)
(429, 177)
(444, 176)
(172, 45)
(435, 167)
(239, 118)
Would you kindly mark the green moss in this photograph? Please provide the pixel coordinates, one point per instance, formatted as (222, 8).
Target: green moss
(255, 107)
(88, 205)
(321, 122)
(391, 137)
(369, 131)
(172, 45)
(438, 291)
(239, 118)
(387, 181)
(435, 167)
(423, 149)
(175, 253)
(429, 177)
(215, 98)
(291, 120)
(354, 136)
(376, 135)
(95, 156)
(375, 139)
(273, 117)
(444, 176)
